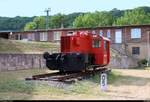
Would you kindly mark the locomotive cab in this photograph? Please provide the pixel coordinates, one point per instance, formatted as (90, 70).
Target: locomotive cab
(100, 49)
(78, 52)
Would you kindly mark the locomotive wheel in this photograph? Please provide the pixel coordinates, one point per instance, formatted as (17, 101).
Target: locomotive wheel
(61, 71)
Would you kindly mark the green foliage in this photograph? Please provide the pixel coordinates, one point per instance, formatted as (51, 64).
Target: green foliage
(70, 19)
(78, 21)
(86, 20)
(116, 13)
(136, 16)
(112, 77)
(40, 22)
(14, 46)
(80, 87)
(30, 26)
(94, 19)
(16, 23)
(57, 21)
(16, 86)
(142, 63)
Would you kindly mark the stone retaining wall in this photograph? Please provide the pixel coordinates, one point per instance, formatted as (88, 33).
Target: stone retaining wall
(122, 62)
(21, 61)
(28, 61)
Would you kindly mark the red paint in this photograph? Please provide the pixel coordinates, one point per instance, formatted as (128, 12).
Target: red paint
(83, 42)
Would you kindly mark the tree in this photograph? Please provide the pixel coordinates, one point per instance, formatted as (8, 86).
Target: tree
(16, 23)
(116, 13)
(70, 19)
(103, 18)
(136, 16)
(40, 22)
(78, 22)
(94, 19)
(86, 20)
(57, 21)
(30, 26)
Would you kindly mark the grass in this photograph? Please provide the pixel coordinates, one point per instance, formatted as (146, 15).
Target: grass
(17, 46)
(14, 46)
(13, 82)
(14, 87)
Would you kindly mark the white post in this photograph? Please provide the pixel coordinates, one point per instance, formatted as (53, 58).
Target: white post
(148, 48)
(103, 82)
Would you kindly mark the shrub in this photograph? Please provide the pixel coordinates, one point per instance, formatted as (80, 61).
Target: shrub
(142, 63)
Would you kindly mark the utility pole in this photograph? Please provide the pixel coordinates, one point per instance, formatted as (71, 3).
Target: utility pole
(148, 48)
(47, 17)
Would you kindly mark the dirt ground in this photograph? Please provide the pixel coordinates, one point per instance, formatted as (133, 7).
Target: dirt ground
(134, 84)
(131, 84)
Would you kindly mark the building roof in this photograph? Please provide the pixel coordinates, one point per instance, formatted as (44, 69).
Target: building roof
(83, 28)
(7, 31)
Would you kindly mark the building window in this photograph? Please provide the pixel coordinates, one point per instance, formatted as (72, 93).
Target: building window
(57, 35)
(31, 37)
(136, 50)
(108, 34)
(101, 33)
(118, 36)
(96, 43)
(18, 37)
(135, 33)
(43, 36)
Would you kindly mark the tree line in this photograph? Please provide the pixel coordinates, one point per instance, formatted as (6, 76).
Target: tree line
(140, 15)
(16, 24)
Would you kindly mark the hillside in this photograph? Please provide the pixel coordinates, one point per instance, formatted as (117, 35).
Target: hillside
(17, 23)
(13, 46)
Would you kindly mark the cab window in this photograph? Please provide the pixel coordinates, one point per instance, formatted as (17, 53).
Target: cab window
(96, 43)
(105, 45)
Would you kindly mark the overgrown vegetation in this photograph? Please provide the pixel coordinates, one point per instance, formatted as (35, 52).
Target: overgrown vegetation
(14, 46)
(142, 63)
(13, 82)
(14, 87)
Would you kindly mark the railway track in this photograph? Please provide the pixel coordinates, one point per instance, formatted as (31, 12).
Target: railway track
(66, 77)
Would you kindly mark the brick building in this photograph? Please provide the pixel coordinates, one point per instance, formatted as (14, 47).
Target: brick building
(133, 40)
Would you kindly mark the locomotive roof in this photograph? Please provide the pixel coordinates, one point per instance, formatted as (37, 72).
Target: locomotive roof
(105, 38)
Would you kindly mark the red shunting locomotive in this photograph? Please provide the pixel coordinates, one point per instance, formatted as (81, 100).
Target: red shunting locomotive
(78, 52)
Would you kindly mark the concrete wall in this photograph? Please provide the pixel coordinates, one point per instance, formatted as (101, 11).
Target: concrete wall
(21, 61)
(10, 62)
(143, 50)
(122, 62)
(127, 50)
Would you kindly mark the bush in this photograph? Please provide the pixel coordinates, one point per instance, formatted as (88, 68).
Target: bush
(142, 63)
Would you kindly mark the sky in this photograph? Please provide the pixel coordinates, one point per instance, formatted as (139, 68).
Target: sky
(30, 8)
